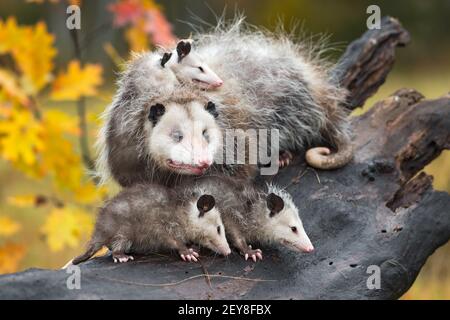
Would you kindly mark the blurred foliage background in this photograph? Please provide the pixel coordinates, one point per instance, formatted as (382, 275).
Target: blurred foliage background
(51, 96)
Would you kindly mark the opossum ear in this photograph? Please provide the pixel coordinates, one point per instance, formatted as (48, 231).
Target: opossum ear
(211, 108)
(156, 112)
(275, 204)
(183, 49)
(205, 203)
(166, 57)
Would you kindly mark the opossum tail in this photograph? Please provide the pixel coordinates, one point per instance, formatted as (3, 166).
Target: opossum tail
(90, 251)
(322, 158)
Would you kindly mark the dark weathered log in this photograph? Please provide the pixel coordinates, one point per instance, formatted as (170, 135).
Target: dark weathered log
(364, 66)
(374, 212)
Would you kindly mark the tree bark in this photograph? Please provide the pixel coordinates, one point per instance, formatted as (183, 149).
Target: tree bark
(379, 215)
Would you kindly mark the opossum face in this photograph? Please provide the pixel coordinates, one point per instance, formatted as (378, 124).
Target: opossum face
(183, 138)
(188, 66)
(206, 224)
(284, 224)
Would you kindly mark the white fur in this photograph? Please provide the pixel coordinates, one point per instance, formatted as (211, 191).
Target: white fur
(193, 122)
(279, 227)
(204, 229)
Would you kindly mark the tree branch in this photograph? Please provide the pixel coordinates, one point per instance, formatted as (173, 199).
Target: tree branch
(81, 111)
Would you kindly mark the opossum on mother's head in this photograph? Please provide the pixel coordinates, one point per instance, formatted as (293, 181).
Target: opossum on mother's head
(158, 71)
(288, 85)
(162, 138)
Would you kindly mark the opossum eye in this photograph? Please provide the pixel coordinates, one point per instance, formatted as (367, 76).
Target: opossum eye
(218, 230)
(177, 136)
(205, 135)
(294, 229)
(201, 69)
(211, 108)
(156, 112)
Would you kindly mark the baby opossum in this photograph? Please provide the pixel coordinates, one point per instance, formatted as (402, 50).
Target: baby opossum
(147, 217)
(187, 66)
(286, 86)
(255, 216)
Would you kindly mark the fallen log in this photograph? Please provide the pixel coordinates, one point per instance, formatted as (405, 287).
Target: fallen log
(378, 218)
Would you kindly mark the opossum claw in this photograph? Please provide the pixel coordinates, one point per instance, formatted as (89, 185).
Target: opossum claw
(121, 258)
(183, 257)
(253, 254)
(284, 159)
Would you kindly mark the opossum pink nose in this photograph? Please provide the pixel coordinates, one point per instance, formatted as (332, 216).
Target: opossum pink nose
(204, 163)
(309, 249)
(218, 83)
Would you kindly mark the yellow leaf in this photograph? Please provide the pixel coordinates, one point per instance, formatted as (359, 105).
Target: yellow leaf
(22, 201)
(137, 38)
(77, 82)
(34, 55)
(10, 35)
(8, 227)
(20, 137)
(89, 193)
(61, 122)
(10, 256)
(9, 83)
(60, 157)
(66, 227)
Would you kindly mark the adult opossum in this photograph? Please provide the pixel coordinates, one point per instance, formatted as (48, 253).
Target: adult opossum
(286, 86)
(253, 215)
(158, 137)
(146, 218)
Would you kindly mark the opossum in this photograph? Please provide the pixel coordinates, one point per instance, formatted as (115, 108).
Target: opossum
(188, 66)
(253, 215)
(147, 218)
(286, 86)
(270, 84)
(157, 137)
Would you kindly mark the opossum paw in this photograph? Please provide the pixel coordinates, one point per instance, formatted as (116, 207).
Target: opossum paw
(189, 255)
(253, 254)
(121, 258)
(284, 159)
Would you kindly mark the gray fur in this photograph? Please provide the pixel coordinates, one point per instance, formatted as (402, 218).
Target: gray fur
(145, 218)
(244, 210)
(284, 85)
(270, 82)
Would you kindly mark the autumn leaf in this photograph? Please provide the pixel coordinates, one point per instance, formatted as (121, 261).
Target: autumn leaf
(8, 227)
(21, 137)
(77, 82)
(145, 19)
(34, 57)
(65, 227)
(126, 11)
(10, 35)
(10, 256)
(59, 158)
(9, 83)
(137, 39)
(159, 28)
